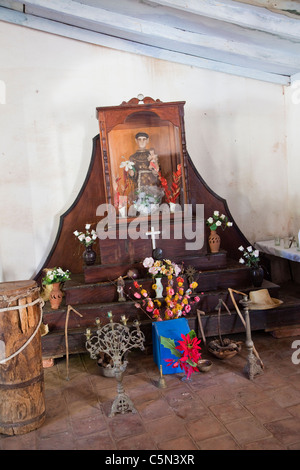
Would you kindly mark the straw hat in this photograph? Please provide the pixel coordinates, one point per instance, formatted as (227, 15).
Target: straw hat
(261, 300)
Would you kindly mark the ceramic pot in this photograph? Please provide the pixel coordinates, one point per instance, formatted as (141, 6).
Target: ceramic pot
(214, 241)
(159, 287)
(89, 256)
(55, 296)
(257, 276)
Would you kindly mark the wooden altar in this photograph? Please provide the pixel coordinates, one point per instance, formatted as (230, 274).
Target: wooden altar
(92, 289)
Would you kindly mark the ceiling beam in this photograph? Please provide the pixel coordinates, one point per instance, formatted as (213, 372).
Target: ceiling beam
(91, 37)
(196, 43)
(246, 16)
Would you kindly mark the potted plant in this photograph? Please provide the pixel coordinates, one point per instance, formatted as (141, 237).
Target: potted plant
(250, 257)
(87, 239)
(214, 222)
(55, 277)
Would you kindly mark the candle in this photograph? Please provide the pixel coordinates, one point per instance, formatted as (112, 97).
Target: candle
(124, 319)
(88, 333)
(98, 321)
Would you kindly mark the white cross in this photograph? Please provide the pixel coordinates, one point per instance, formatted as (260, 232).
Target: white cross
(153, 233)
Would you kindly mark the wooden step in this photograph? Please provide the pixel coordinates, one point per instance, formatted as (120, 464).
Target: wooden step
(77, 291)
(53, 344)
(102, 272)
(208, 303)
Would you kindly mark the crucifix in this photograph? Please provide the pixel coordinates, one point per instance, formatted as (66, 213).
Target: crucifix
(156, 252)
(152, 233)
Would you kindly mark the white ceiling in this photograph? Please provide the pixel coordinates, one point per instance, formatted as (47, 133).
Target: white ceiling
(258, 39)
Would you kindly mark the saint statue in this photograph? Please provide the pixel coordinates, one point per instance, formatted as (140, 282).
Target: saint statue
(146, 165)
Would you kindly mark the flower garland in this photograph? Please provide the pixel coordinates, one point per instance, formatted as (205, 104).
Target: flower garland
(187, 352)
(172, 193)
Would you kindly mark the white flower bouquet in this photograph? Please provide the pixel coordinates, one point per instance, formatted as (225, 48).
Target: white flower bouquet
(88, 237)
(218, 220)
(250, 257)
(56, 275)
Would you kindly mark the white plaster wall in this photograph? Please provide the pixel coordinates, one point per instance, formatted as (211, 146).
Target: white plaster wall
(237, 135)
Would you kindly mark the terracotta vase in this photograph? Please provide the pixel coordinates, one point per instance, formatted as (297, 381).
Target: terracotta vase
(257, 276)
(89, 256)
(214, 242)
(56, 296)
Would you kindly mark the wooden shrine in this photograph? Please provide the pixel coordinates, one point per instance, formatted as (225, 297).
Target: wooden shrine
(92, 290)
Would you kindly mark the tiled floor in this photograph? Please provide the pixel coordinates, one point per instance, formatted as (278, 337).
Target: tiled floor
(220, 409)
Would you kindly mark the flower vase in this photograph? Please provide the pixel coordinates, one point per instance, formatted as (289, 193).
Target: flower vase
(172, 207)
(56, 296)
(89, 256)
(159, 287)
(257, 276)
(214, 242)
(122, 212)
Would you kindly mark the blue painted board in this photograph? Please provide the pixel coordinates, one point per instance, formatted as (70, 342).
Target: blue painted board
(169, 329)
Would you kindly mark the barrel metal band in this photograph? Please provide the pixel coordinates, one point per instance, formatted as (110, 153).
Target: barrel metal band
(38, 378)
(23, 423)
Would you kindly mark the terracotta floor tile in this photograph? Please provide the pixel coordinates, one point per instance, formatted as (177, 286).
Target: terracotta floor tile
(154, 409)
(139, 442)
(265, 444)
(287, 396)
(229, 411)
(267, 411)
(247, 430)
(225, 442)
(100, 441)
(287, 431)
(190, 410)
(124, 425)
(221, 409)
(180, 443)
(61, 441)
(22, 442)
(294, 410)
(250, 394)
(165, 429)
(215, 394)
(205, 428)
(88, 425)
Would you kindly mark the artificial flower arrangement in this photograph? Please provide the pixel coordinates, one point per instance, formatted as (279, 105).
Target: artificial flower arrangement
(160, 268)
(122, 189)
(88, 237)
(171, 194)
(56, 275)
(250, 257)
(218, 220)
(187, 352)
(177, 302)
(147, 199)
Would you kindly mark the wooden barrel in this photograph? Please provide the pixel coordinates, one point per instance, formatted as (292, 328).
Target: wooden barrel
(22, 401)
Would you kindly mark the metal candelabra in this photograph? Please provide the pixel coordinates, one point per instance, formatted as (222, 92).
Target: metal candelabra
(116, 339)
(252, 367)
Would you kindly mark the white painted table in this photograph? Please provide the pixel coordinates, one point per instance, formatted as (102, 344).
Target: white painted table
(269, 247)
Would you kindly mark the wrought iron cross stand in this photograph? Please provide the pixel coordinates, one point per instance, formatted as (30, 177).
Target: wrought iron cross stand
(116, 339)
